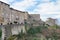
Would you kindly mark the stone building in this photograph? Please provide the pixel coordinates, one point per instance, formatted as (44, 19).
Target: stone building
(18, 16)
(51, 21)
(9, 15)
(34, 20)
(34, 17)
(17, 20)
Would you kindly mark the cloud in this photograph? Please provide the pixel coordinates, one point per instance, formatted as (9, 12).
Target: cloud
(48, 8)
(23, 5)
(7, 1)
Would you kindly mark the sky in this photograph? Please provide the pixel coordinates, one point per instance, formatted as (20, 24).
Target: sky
(46, 8)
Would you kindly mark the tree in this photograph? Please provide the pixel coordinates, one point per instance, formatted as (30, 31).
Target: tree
(31, 31)
(55, 35)
(21, 35)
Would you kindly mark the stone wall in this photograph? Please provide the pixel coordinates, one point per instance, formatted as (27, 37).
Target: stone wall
(16, 28)
(34, 20)
(13, 29)
(8, 14)
(6, 31)
(34, 17)
(18, 16)
(4, 12)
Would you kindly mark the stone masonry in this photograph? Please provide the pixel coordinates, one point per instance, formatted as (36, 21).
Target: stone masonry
(17, 20)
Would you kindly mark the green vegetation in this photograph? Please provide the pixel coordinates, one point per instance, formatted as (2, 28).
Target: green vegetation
(49, 32)
(54, 27)
(0, 34)
(12, 37)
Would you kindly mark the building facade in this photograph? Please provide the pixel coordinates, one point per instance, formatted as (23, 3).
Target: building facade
(13, 20)
(8, 14)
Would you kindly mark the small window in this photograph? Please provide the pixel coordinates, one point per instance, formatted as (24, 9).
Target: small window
(15, 21)
(1, 23)
(11, 23)
(8, 23)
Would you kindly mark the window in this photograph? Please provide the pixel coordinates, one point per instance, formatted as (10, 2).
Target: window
(15, 22)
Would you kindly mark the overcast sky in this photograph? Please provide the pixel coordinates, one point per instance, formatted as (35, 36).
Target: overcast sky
(46, 8)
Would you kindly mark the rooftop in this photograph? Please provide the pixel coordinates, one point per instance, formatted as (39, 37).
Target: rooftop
(4, 3)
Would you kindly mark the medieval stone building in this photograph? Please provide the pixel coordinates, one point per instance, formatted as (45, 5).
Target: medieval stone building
(12, 21)
(51, 21)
